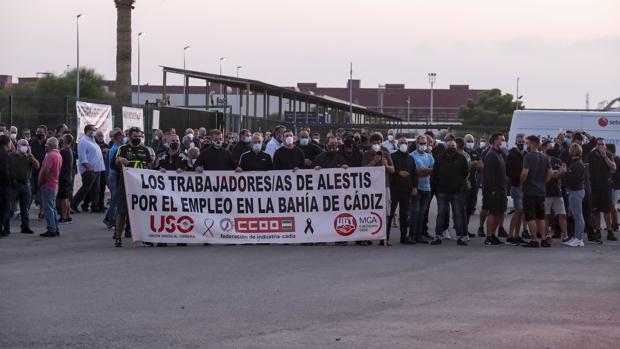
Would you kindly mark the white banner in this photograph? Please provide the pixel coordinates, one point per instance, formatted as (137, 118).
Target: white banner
(99, 115)
(133, 117)
(155, 125)
(224, 207)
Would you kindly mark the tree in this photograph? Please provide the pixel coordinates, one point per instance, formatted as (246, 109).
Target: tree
(491, 109)
(123, 50)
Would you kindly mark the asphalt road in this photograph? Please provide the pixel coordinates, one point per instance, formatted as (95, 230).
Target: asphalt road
(79, 291)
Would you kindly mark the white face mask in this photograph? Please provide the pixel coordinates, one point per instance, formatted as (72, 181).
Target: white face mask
(289, 140)
(190, 136)
(376, 147)
(304, 141)
(23, 149)
(504, 145)
(13, 136)
(390, 138)
(470, 145)
(142, 141)
(422, 148)
(256, 147)
(483, 144)
(403, 148)
(247, 139)
(124, 140)
(217, 144)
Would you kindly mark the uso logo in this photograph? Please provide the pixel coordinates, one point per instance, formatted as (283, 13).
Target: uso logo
(345, 224)
(602, 121)
(172, 224)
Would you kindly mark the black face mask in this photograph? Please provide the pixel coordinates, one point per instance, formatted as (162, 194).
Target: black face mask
(40, 136)
(135, 142)
(364, 139)
(174, 146)
(520, 147)
(348, 142)
(451, 151)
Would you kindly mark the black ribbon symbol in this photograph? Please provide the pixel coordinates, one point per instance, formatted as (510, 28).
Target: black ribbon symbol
(209, 224)
(309, 226)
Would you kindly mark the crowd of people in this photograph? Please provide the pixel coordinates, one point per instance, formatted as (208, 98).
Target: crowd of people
(559, 187)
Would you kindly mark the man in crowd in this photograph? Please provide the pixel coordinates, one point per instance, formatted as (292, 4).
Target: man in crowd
(554, 202)
(66, 179)
(391, 143)
(276, 140)
(331, 158)
(26, 134)
(534, 176)
(112, 180)
(514, 166)
(449, 178)
(403, 184)
(420, 201)
(350, 151)
(91, 166)
(288, 157)
(215, 157)
(23, 164)
(98, 206)
(475, 169)
(601, 166)
(48, 186)
(255, 159)
(37, 148)
(135, 155)
(244, 144)
(310, 149)
(6, 185)
(494, 188)
(173, 159)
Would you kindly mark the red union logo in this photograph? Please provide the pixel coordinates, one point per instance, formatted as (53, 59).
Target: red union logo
(265, 225)
(171, 224)
(345, 224)
(602, 121)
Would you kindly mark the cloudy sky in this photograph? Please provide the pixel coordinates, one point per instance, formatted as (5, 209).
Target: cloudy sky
(560, 49)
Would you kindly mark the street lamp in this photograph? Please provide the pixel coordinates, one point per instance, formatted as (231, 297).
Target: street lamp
(77, 79)
(184, 76)
(408, 107)
(221, 60)
(432, 77)
(139, 35)
(239, 91)
(238, 67)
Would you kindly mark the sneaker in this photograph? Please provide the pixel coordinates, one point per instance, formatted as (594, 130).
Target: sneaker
(569, 242)
(545, 243)
(407, 242)
(481, 233)
(610, 236)
(118, 242)
(421, 240)
(461, 242)
(470, 235)
(511, 242)
(577, 243)
(49, 234)
(65, 221)
(27, 231)
(501, 232)
(519, 241)
(492, 241)
(526, 234)
(532, 243)
(446, 235)
(437, 241)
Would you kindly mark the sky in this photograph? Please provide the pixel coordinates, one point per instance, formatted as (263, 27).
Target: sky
(560, 50)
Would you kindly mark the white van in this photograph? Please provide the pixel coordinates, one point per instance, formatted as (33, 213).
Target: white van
(546, 124)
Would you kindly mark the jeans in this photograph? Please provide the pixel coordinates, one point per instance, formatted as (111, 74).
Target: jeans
(418, 210)
(444, 202)
(471, 200)
(575, 201)
(399, 198)
(89, 192)
(48, 200)
(22, 195)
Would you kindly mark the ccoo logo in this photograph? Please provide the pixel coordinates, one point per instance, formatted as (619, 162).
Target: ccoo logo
(345, 224)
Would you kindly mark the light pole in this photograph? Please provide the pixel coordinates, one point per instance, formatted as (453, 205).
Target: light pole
(408, 107)
(139, 35)
(77, 79)
(239, 92)
(184, 76)
(221, 60)
(351, 92)
(432, 77)
(380, 96)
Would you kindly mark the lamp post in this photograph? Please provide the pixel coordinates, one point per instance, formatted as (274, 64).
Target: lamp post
(77, 79)
(139, 35)
(184, 76)
(408, 107)
(221, 60)
(432, 77)
(239, 92)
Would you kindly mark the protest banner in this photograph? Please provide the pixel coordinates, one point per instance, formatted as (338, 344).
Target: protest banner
(99, 115)
(224, 207)
(133, 117)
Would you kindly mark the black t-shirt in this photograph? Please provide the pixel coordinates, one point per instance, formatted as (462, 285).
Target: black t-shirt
(310, 151)
(251, 161)
(330, 159)
(66, 171)
(288, 159)
(138, 157)
(615, 177)
(212, 159)
(575, 175)
(553, 189)
(494, 178)
(353, 159)
(38, 149)
(171, 162)
(599, 171)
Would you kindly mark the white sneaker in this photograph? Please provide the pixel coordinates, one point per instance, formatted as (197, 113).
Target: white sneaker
(579, 243)
(569, 242)
(575, 243)
(446, 235)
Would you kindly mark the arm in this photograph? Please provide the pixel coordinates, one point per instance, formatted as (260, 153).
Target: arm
(82, 155)
(35, 163)
(523, 177)
(610, 163)
(389, 165)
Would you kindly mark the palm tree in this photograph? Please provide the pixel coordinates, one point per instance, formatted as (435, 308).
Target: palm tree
(123, 50)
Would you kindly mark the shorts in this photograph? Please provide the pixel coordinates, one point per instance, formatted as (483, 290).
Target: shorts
(601, 200)
(494, 202)
(65, 189)
(121, 209)
(555, 205)
(517, 197)
(534, 208)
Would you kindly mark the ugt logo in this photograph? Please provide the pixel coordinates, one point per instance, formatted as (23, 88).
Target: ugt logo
(171, 224)
(345, 224)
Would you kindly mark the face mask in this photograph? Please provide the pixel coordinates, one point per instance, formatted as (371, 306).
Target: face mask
(470, 145)
(289, 140)
(304, 141)
(156, 138)
(40, 136)
(348, 142)
(429, 148)
(27, 137)
(316, 140)
(332, 147)
(520, 147)
(13, 136)
(23, 149)
(483, 144)
(174, 146)
(364, 139)
(194, 161)
(257, 147)
(135, 142)
(141, 140)
(503, 145)
(247, 139)
(422, 148)
(125, 140)
(217, 144)
(190, 136)
(403, 148)
(390, 138)
(451, 151)
(568, 140)
(376, 147)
